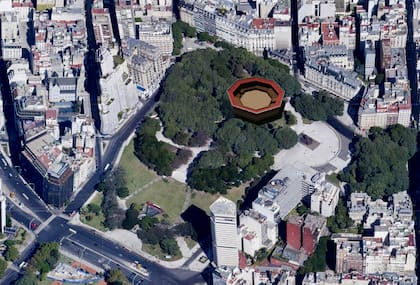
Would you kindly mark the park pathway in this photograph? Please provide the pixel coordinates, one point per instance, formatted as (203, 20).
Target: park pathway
(147, 185)
(180, 174)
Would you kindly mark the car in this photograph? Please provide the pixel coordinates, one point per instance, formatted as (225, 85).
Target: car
(34, 226)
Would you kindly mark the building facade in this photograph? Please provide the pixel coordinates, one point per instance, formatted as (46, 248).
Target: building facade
(224, 233)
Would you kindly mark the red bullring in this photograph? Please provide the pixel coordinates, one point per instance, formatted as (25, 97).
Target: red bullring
(256, 99)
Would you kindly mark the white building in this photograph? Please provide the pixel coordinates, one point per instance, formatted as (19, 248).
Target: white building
(125, 22)
(10, 41)
(118, 96)
(146, 64)
(370, 59)
(325, 199)
(62, 89)
(284, 192)
(393, 108)
(338, 81)
(2, 212)
(157, 33)
(245, 30)
(224, 233)
(256, 232)
(316, 8)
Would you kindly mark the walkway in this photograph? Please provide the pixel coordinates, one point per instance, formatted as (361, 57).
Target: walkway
(181, 172)
(147, 185)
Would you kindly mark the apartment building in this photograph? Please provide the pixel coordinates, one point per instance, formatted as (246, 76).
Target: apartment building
(45, 165)
(145, 62)
(102, 28)
(156, 33)
(393, 108)
(256, 232)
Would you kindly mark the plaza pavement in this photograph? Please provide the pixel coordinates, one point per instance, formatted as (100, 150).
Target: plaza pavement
(323, 157)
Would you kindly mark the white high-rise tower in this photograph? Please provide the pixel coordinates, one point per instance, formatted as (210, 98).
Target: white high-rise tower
(2, 210)
(224, 233)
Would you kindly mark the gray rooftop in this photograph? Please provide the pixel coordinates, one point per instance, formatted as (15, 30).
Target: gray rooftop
(223, 207)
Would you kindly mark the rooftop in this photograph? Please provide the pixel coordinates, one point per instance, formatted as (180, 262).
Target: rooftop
(223, 207)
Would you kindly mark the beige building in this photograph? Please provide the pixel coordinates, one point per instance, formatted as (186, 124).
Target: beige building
(157, 33)
(145, 62)
(393, 108)
(102, 27)
(246, 30)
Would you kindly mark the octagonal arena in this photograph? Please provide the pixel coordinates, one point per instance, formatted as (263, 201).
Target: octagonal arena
(256, 99)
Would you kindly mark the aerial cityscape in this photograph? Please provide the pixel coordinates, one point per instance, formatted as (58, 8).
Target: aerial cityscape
(209, 142)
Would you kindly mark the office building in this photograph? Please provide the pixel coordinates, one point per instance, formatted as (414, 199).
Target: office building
(224, 233)
(2, 212)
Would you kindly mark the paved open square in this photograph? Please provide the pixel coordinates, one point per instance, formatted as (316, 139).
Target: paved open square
(323, 157)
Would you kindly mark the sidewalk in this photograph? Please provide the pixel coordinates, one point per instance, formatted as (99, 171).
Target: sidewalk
(77, 259)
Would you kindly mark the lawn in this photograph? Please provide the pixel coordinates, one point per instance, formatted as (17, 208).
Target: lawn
(96, 221)
(203, 200)
(156, 251)
(20, 236)
(333, 179)
(136, 173)
(170, 196)
(190, 242)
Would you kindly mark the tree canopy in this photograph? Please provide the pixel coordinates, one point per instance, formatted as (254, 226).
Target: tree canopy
(318, 107)
(116, 277)
(379, 162)
(194, 96)
(113, 214)
(194, 108)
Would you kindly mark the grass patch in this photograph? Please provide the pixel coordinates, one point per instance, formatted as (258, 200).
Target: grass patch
(156, 251)
(42, 7)
(117, 60)
(190, 242)
(203, 200)
(236, 193)
(96, 221)
(279, 123)
(333, 179)
(306, 121)
(65, 259)
(20, 236)
(136, 173)
(170, 196)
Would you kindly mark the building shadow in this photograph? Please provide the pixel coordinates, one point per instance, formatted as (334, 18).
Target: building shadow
(251, 192)
(414, 192)
(200, 221)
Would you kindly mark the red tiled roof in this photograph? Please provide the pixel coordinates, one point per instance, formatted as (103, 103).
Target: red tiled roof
(259, 23)
(51, 114)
